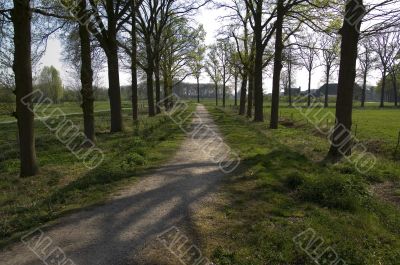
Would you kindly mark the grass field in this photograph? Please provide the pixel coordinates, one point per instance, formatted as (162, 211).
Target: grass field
(282, 190)
(64, 183)
(67, 107)
(378, 128)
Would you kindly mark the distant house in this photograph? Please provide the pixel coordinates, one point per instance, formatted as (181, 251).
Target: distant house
(295, 91)
(332, 91)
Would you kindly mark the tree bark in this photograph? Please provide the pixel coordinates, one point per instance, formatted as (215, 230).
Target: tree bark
(158, 85)
(383, 88)
(150, 92)
(250, 96)
(290, 81)
(277, 66)
(326, 104)
(135, 112)
(198, 90)
(341, 138)
(216, 94)
(86, 76)
(236, 85)
(364, 88)
(258, 76)
(243, 91)
(309, 89)
(223, 93)
(394, 88)
(21, 18)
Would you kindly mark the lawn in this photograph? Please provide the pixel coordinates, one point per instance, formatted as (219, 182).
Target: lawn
(64, 183)
(282, 198)
(67, 108)
(378, 128)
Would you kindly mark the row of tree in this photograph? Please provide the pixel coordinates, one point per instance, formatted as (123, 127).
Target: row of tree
(158, 36)
(268, 35)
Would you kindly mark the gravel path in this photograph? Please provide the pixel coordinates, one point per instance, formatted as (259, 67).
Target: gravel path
(124, 230)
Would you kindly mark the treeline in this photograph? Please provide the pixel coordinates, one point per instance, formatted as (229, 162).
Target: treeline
(275, 38)
(158, 39)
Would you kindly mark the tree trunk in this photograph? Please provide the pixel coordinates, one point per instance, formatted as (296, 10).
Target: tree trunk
(258, 76)
(150, 92)
(327, 87)
(158, 83)
(250, 96)
(21, 18)
(86, 76)
(277, 66)
(309, 89)
(216, 94)
(290, 82)
(341, 138)
(135, 112)
(383, 88)
(364, 88)
(198, 90)
(223, 93)
(242, 103)
(114, 92)
(236, 85)
(394, 88)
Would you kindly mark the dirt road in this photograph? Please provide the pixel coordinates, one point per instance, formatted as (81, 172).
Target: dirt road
(124, 230)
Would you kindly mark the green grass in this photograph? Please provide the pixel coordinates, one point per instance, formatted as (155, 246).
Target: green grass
(281, 190)
(378, 128)
(64, 183)
(67, 107)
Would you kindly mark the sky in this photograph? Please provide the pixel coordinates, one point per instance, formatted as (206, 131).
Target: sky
(209, 19)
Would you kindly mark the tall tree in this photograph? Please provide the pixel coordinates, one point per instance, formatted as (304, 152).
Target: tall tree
(350, 33)
(21, 19)
(330, 52)
(261, 18)
(113, 12)
(308, 55)
(386, 47)
(196, 63)
(50, 83)
(212, 68)
(366, 61)
(86, 73)
(224, 53)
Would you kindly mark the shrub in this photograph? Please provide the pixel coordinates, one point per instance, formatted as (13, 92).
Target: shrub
(344, 192)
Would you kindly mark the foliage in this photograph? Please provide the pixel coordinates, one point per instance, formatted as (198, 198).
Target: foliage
(49, 82)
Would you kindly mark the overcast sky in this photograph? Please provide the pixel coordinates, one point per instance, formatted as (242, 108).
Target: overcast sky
(209, 19)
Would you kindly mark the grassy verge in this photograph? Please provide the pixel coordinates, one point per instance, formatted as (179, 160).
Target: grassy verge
(64, 183)
(282, 190)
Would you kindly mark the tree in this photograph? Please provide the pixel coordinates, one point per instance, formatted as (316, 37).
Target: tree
(50, 83)
(350, 32)
(179, 40)
(224, 53)
(263, 29)
(308, 55)
(330, 52)
(212, 68)
(86, 75)
(196, 63)
(366, 62)
(112, 12)
(386, 46)
(21, 19)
